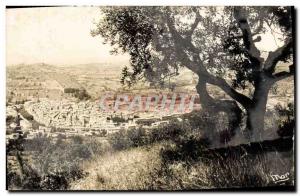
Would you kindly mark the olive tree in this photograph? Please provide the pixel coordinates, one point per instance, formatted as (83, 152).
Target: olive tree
(216, 43)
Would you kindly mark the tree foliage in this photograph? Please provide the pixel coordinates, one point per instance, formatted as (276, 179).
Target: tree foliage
(211, 32)
(219, 44)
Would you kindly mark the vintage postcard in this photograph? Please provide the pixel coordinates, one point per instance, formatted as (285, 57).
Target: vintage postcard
(150, 98)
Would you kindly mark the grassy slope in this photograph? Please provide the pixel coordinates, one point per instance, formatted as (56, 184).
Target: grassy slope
(124, 170)
(141, 169)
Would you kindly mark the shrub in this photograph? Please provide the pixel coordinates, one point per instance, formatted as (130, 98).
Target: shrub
(81, 94)
(119, 140)
(38, 144)
(80, 152)
(125, 139)
(32, 180)
(137, 137)
(54, 182)
(77, 139)
(53, 166)
(286, 122)
(13, 179)
(170, 131)
(95, 147)
(185, 148)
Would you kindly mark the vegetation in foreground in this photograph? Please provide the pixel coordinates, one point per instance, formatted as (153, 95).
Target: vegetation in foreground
(178, 156)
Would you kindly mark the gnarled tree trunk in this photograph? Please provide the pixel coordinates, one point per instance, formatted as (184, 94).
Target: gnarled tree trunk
(230, 107)
(256, 112)
(255, 109)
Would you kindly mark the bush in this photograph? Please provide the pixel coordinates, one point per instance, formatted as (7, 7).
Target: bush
(184, 142)
(77, 139)
(185, 148)
(53, 165)
(169, 132)
(125, 139)
(80, 152)
(119, 140)
(137, 137)
(54, 182)
(32, 180)
(286, 122)
(37, 144)
(95, 147)
(178, 132)
(81, 94)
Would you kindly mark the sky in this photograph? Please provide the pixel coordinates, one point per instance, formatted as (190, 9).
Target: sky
(61, 36)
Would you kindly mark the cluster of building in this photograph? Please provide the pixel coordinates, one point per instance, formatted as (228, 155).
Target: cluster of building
(85, 114)
(66, 119)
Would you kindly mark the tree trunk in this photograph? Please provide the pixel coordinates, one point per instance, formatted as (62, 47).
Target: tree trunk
(255, 123)
(230, 107)
(256, 113)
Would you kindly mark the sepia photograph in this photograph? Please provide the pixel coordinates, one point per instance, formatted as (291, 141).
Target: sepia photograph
(150, 98)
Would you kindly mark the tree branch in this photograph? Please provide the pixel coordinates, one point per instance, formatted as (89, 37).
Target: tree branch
(220, 82)
(184, 42)
(256, 31)
(194, 25)
(277, 55)
(247, 36)
(201, 71)
(181, 44)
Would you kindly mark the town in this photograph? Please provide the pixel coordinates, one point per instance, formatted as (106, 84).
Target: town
(65, 119)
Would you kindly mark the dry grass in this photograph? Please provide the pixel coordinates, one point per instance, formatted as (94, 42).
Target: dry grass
(143, 168)
(124, 170)
(177, 162)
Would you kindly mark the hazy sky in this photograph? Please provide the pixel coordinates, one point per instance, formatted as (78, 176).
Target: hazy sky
(58, 35)
(61, 35)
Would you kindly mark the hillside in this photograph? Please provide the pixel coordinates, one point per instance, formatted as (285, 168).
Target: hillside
(125, 170)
